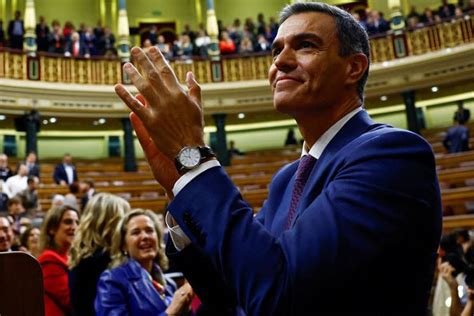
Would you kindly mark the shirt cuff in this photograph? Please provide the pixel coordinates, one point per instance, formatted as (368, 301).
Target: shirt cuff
(178, 237)
(190, 175)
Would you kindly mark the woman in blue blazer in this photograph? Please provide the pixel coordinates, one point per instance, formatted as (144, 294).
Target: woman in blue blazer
(136, 285)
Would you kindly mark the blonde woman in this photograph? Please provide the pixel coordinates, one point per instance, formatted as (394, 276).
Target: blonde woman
(136, 286)
(90, 251)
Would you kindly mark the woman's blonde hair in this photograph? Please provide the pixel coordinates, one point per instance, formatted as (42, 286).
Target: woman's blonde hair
(118, 255)
(51, 223)
(99, 220)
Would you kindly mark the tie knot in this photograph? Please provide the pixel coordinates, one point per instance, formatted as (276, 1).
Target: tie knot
(304, 168)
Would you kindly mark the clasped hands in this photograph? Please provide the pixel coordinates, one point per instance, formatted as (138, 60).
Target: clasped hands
(164, 115)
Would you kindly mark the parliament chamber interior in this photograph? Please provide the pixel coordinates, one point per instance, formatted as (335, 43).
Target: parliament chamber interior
(59, 63)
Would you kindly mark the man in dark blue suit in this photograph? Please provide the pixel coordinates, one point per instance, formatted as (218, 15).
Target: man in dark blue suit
(352, 228)
(65, 173)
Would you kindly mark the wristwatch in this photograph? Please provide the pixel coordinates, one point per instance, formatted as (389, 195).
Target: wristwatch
(190, 157)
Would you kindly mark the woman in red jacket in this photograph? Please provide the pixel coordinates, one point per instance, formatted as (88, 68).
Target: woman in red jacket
(57, 234)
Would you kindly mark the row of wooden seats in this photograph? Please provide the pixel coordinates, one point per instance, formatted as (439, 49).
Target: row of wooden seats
(107, 176)
(445, 161)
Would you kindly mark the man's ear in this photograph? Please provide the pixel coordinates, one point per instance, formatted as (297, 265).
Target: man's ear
(356, 67)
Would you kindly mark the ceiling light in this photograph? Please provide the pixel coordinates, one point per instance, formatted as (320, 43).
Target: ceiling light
(3, 117)
(241, 115)
(95, 123)
(45, 122)
(434, 89)
(52, 120)
(102, 121)
(383, 98)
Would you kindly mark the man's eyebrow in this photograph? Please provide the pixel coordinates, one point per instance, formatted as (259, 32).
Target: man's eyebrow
(308, 35)
(300, 37)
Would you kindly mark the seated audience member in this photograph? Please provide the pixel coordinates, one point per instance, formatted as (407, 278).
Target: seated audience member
(202, 41)
(18, 182)
(446, 10)
(71, 197)
(136, 285)
(377, 23)
(31, 164)
(427, 18)
(164, 47)
(16, 31)
(3, 199)
(56, 39)
(262, 44)
(6, 235)
(455, 250)
(42, 33)
(153, 35)
(290, 138)
(226, 44)
(246, 45)
(29, 197)
(57, 200)
(87, 189)
(5, 171)
(68, 29)
(57, 233)
(90, 250)
(183, 48)
(107, 44)
(147, 44)
(15, 216)
(457, 138)
(76, 47)
(88, 38)
(29, 241)
(65, 173)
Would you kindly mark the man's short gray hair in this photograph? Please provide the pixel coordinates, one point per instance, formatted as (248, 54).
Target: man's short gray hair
(352, 37)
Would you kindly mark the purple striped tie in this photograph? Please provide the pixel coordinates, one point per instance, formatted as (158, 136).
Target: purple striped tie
(302, 173)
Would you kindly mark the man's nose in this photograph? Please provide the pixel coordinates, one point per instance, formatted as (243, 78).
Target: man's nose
(286, 59)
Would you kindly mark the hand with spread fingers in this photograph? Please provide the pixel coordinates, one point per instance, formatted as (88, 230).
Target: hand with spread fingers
(163, 168)
(171, 116)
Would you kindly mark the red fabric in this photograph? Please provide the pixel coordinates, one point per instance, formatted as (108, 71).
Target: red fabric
(55, 278)
(227, 47)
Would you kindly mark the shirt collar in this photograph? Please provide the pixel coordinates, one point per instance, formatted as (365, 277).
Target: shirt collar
(318, 147)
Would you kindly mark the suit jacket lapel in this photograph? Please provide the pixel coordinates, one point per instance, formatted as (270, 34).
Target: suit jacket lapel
(139, 279)
(356, 126)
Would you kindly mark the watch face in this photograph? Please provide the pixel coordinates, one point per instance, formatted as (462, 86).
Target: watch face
(190, 157)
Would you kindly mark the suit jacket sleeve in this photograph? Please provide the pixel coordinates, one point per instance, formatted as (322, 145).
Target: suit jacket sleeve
(55, 280)
(111, 296)
(372, 197)
(215, 295)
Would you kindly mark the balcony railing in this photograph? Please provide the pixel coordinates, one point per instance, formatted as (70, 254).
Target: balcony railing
(390, 46)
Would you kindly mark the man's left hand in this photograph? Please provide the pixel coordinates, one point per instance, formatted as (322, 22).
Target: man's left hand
(173, 117)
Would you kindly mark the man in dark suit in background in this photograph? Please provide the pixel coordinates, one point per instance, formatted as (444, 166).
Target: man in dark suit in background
(16, 31)
(352, 228)
(32, 164)
(76, 47)
(457, 138)
(65, 173)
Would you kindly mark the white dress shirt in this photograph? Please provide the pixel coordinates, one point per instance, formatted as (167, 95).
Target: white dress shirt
(69, 172)
(15, 185)
(179, 238)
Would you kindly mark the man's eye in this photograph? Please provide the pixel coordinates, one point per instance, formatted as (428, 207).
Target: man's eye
(306, 44)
